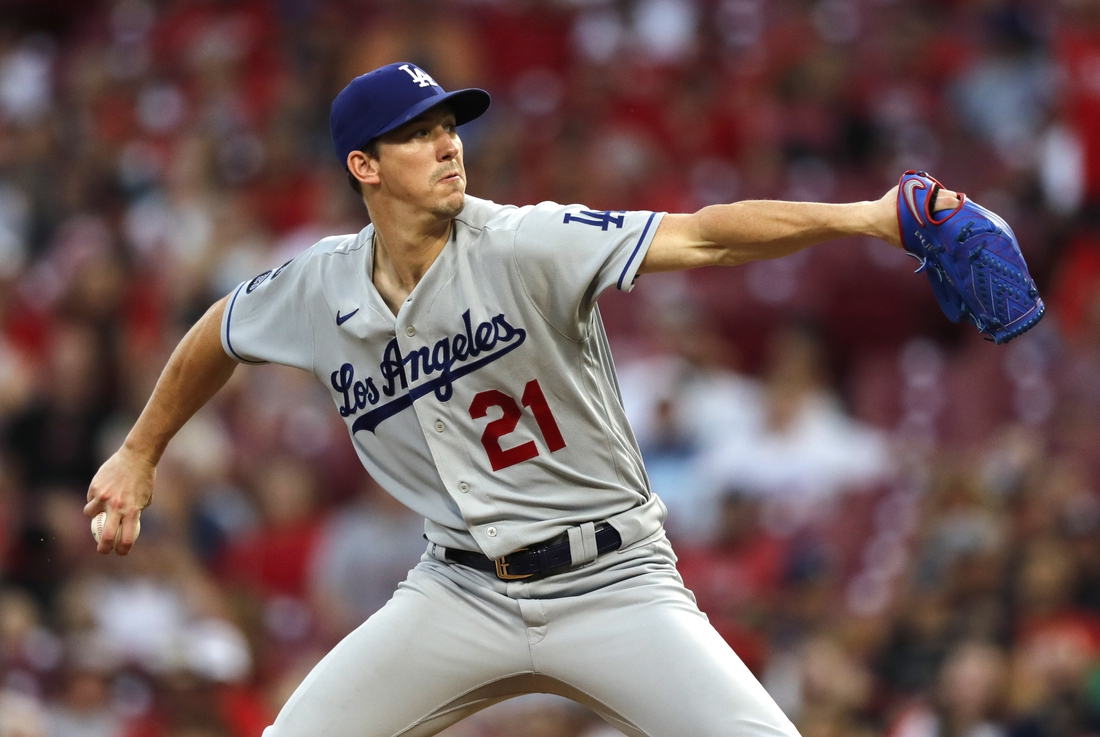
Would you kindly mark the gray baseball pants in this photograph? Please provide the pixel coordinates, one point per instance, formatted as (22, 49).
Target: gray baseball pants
(621, 635)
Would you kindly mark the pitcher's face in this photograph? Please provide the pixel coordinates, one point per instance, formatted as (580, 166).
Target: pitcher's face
(421, 163)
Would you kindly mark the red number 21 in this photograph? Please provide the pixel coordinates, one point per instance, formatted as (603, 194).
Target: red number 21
(534, 399)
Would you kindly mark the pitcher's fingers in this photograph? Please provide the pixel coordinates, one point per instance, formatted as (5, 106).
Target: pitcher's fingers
(94, 506)
(127, 533)
(95, 495)
(110, 529)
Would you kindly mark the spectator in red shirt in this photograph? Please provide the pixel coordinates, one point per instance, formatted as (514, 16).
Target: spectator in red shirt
(274, 559)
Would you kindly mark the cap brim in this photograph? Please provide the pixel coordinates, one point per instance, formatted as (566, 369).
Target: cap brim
(467, 105)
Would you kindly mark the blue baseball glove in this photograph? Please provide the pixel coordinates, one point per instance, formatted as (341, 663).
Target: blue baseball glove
(972, 259)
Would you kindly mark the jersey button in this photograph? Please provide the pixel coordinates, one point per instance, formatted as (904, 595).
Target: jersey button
(439, 426)
(410, 331)
(463, 487)
(491, 532)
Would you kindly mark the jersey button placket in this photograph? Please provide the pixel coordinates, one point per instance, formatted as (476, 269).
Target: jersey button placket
(410, 331)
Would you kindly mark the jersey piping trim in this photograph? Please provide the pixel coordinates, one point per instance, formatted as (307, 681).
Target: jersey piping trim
(630, 260)
(229, 323)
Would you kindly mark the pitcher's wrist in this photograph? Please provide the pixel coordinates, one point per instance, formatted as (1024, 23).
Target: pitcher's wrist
(142, 450)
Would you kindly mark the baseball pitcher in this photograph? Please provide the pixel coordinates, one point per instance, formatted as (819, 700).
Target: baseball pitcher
(461, 343)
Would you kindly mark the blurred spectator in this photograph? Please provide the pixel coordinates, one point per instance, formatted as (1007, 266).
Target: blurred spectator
(965, 530)
(83, 707)
(273, 560)
(682, 402)
(362, 554)
(968, 700)
(736, 579)
(920, 641)
(801, 450)
(1078, 52)
(21, 716)
(1004, 97)
(54, 440)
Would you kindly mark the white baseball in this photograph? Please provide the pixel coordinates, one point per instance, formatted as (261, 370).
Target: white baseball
(100, 521)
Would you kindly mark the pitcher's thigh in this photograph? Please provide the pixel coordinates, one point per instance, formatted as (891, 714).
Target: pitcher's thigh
(649, 657)
(431, 650)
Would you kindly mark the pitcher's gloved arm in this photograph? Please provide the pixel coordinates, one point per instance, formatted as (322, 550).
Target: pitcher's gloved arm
(754, 230)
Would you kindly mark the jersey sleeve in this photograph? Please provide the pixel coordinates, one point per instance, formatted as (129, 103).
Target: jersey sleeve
(567, 255)
(267, 320)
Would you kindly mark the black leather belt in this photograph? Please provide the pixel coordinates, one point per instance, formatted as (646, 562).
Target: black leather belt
(541, 560)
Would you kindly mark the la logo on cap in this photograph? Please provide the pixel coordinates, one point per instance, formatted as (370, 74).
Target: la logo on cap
(422, 78)
(381, 100)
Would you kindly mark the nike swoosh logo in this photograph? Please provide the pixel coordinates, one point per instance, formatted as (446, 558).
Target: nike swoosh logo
(341, 319)
(911, 198)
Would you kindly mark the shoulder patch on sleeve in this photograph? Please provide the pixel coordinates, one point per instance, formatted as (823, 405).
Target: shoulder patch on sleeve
(257, 281)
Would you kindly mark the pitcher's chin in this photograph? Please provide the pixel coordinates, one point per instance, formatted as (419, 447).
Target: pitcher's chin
(450, 206)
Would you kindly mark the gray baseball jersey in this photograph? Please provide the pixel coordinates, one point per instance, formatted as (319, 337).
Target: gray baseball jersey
(489, 403)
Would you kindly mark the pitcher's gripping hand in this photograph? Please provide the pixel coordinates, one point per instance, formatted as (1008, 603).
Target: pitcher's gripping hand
(886, 212)
(122, 487)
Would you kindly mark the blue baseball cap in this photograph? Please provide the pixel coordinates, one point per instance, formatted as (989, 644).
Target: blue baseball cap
(390, 96)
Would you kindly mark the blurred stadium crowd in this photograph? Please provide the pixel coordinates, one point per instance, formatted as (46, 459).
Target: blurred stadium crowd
(896, 524)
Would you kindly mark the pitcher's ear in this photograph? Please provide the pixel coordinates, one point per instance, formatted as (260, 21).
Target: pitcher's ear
(363, 167)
